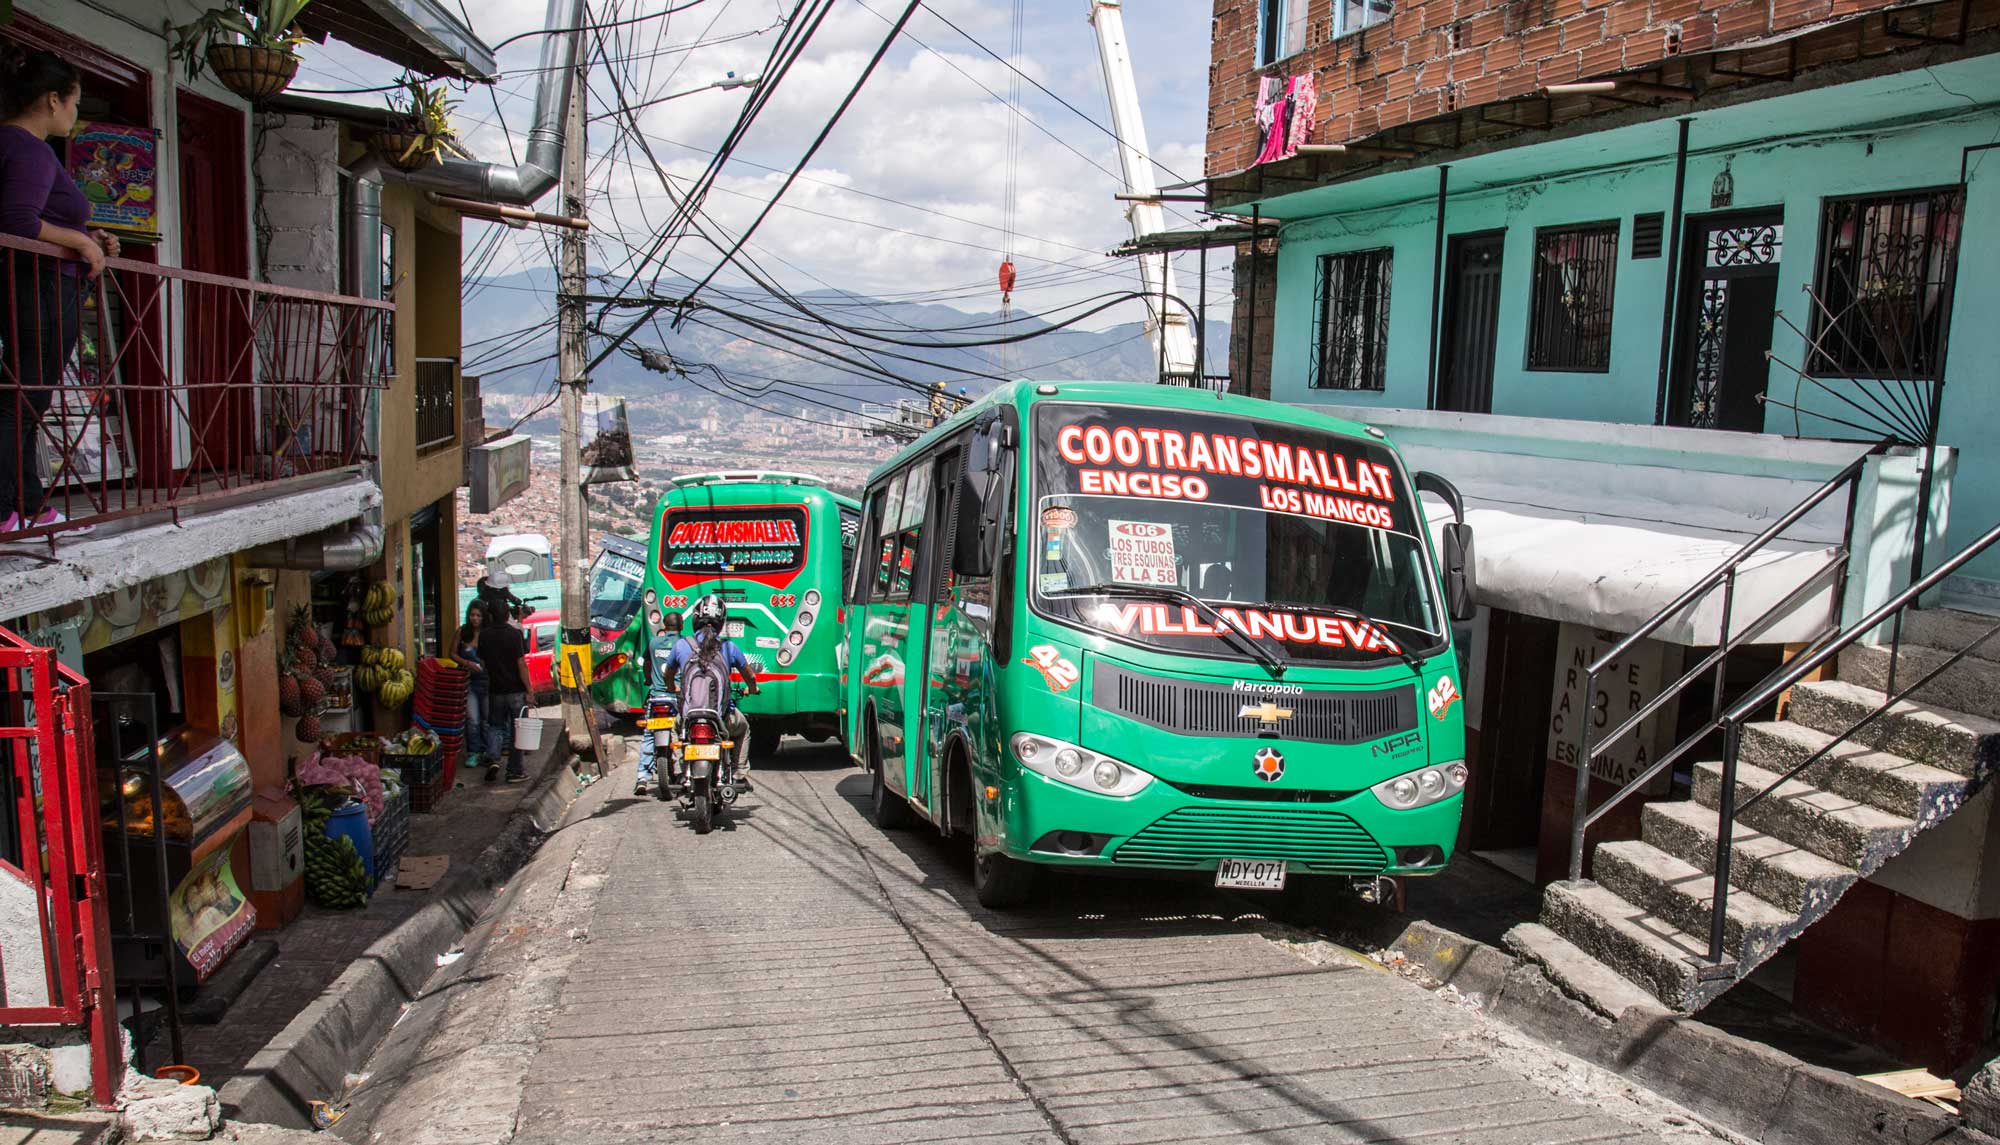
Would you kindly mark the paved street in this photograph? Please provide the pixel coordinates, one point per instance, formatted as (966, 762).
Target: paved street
(800, 976)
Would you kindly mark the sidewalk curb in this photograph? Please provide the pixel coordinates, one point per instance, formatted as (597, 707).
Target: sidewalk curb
(312, 1054)
(1750, 1088)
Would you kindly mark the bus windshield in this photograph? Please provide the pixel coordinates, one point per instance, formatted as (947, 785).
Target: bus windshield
(1304, 541)
(616, 584)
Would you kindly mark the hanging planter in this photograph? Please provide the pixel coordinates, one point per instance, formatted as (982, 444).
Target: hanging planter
(419, 133)
(252, 71)
(247, 47)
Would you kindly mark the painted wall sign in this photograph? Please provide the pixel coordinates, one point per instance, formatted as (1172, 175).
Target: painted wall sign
(1622, 689)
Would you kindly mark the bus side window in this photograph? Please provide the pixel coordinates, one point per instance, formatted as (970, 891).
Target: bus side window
(867, 529)
(885, 537)
(850, 528)
(910, 527)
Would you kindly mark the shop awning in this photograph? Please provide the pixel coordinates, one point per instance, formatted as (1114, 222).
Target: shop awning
(122, 555)
(422, 35)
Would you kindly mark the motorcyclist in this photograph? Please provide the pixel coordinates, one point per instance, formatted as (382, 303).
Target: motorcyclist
(706, 618)
(659, 688)
(501, 603)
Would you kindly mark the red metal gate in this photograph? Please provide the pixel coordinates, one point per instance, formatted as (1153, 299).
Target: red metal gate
(56, 851)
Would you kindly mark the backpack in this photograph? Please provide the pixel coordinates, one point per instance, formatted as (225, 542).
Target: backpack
(704, 682)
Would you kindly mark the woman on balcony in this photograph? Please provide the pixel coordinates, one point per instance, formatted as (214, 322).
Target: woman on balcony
(38, 200)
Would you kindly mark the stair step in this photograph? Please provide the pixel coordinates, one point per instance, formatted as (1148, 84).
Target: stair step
(1951, 628)
(1904, 787)
(1971, 685)
(1683, 895)
(1576, 973)
(1637, 945)
(1953, 740)
(1782, 874)
(1823, 822)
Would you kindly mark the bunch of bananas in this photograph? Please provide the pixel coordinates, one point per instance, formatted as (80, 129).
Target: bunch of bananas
(335, 875)
(379, 608)
(385, 672)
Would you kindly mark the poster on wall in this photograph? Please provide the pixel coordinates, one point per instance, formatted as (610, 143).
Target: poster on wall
(1624, 687)
(209, 914)
(117, 169)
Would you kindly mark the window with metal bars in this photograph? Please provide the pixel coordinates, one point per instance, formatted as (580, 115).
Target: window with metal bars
(1351, 321)
(1569, 316)
(1887, 264)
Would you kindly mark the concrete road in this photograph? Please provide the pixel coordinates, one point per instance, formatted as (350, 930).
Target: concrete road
(799, 975)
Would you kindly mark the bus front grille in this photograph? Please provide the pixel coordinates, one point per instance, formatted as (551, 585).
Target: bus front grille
(1190, 836)
(1195, 708)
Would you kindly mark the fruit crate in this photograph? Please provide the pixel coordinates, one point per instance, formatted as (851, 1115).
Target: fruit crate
(424, 797)
(416, 769)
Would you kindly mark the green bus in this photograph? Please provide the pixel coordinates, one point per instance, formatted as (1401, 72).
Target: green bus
(1108, 625)
(776, 548)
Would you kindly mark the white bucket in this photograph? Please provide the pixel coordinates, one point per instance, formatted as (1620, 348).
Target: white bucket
(527, 731)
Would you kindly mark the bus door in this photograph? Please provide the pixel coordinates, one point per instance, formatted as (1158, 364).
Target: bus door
(932, 609)
(892, 649)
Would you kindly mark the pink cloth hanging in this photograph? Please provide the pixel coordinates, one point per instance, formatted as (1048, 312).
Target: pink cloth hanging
(1279, 124)
(1305, 101)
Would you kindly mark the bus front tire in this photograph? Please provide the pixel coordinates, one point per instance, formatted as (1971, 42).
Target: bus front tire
(888, 809)
(1000, 882)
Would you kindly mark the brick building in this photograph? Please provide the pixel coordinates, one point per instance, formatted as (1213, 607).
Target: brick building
(1641, 276)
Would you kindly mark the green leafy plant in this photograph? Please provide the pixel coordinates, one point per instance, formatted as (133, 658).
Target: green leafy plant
(420, 130)
(257, 23)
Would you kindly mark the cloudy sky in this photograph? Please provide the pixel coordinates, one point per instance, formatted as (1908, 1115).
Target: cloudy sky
(927, 132)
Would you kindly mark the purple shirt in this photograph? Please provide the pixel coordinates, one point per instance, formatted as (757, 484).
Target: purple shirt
(34, 189)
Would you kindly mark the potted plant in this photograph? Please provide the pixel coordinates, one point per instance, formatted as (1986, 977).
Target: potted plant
(419, 132)
(249, 48)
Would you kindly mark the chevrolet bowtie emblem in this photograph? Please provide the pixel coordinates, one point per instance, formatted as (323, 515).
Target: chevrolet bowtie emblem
(1266, 712)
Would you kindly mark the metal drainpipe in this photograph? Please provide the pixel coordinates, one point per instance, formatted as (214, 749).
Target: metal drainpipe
(1437, 289)
(1670, 305)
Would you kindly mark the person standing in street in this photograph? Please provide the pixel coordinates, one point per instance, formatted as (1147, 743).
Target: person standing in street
(478, 696)
(504, 651)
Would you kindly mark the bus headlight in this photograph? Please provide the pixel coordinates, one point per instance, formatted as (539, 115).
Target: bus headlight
(1422, 787)
(1078, 767)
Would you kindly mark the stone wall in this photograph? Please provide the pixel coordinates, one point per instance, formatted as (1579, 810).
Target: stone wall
(298, 200)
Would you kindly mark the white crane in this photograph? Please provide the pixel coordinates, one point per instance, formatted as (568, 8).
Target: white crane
(1171, 331)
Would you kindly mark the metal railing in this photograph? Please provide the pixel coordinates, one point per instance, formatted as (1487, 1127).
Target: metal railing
(1732, 721)
(154, 388)
(437, 402)
(1716, 662)
(54, 851)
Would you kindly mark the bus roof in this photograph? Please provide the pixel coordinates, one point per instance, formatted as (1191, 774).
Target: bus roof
(523, 542)
(633, 548)
(747, 476)
(1021, 394)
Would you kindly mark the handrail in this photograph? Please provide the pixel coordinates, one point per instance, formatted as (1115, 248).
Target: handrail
(1701, 587)
(1727, 810)
(1591, 747)
(201, 277)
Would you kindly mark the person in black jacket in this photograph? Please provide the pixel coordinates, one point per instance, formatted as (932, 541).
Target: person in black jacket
(504, 651)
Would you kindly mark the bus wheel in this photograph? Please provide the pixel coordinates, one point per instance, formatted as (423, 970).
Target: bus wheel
(1000, 882)
(889, 810)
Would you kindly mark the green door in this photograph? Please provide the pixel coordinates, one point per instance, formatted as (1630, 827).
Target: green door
(931, 629)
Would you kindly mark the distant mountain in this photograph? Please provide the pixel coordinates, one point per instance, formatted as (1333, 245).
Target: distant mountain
(757, 359)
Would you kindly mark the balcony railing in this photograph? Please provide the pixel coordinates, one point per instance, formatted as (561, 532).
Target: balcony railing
(437, 402)
(156, 388)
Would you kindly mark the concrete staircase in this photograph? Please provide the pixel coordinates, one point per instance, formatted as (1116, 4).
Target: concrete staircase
(1645, 915)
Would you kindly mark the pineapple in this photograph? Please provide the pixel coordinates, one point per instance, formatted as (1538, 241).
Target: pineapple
(311, 692)
(307, 729)
(290, 703)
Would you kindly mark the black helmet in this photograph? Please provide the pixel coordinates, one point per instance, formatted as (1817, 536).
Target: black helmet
(708, 612)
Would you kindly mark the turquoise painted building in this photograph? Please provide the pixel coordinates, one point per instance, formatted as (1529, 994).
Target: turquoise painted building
(1880, 196)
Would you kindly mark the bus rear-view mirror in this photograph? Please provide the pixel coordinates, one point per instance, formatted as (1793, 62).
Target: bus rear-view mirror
(1455, 553)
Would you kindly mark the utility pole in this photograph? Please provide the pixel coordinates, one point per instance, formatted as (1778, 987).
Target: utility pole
(1170, 329)
(573, 546)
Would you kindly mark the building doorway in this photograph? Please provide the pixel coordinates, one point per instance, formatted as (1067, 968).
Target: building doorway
(215, 238)
(1729, 299)
(1471, 322)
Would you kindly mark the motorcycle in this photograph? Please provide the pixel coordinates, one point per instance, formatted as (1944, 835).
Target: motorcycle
(692, 739)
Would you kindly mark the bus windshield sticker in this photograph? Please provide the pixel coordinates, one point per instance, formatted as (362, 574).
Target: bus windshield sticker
(1054, 667)
(1142, 552)
(1442, 696)
(1055, 582)
(757, 542)
(1058, 517)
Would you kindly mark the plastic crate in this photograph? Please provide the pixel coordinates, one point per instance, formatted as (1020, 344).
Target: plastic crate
(392, 833)
(424, 797)
(416, 769)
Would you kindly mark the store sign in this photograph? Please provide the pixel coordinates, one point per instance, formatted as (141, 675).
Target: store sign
(117, 169)
(210, 915)
(500, 471)
(1623, 687)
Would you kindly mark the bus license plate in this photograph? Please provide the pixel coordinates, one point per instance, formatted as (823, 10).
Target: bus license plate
(711, 751)
(1251, 874)
(732, 630)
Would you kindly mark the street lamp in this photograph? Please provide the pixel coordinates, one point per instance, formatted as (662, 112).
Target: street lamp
(729, 80)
